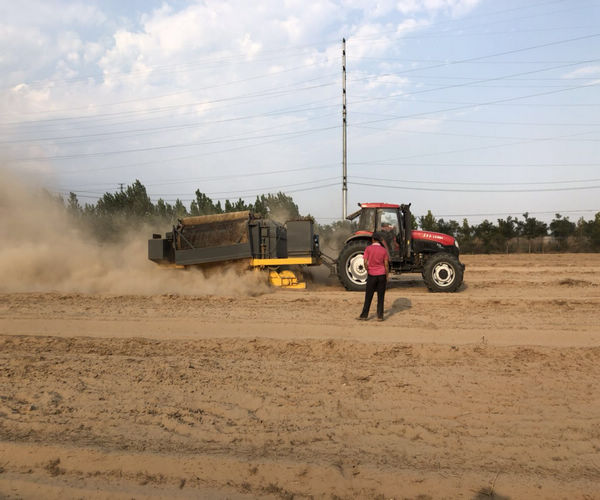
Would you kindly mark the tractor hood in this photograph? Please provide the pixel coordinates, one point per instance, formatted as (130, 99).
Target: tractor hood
(442, 239)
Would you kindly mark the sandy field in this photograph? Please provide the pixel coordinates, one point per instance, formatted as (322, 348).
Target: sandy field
(490, 392)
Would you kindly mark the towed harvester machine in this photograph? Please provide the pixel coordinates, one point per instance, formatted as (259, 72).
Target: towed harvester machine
(240, 236)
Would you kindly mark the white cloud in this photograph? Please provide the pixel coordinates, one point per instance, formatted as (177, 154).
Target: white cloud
(167, 51)
(70, 46)
(391, 83)
(293, 28)
(453, 7)
(43, 36)
(248, 47)
(50, 14)
(409, 6)
(371, 9)
(92, 51)
(586, 71)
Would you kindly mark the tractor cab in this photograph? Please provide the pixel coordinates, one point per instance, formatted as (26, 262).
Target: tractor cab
(392, 221)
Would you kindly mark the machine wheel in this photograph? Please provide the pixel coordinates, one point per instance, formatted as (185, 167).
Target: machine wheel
(351, 266)
(443, 273)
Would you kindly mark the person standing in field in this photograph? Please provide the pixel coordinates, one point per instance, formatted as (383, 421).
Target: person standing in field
(377, 263)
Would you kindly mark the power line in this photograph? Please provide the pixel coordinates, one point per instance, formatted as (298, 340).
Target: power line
(128, 133)
(234, 192)
(412, 188)
(171, 146)
(166, 128)
(439, 24)
(187, 91)
(191, 180)
(464, 150)
(486, 80)
(188, 157)
(251, 174)
(329, 166)
(479, 165)
(498, 54)
(477, 136)
(466, 105)
(278, 187)
(403, 72)
(496, 214)
(439, 34)
(153, 69)
(427, 90)
(272, 92)
(492, 122)
(211, 61)
(520, 212)
(443, 62)
(305, 107)
(470, 105)
(242, 195)
(509, 83)
(478, 183)
(100, 154)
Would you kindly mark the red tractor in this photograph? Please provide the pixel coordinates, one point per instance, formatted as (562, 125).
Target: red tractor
(434, 255)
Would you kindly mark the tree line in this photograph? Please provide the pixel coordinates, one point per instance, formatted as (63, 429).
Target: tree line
(514, 234)
(113, 213)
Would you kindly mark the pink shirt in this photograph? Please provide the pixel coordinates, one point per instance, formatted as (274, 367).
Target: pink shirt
(376, 255)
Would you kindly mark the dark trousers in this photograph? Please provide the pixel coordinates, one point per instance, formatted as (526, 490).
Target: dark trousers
(374, 283)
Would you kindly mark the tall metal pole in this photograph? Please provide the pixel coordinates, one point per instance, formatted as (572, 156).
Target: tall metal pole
(344, 148)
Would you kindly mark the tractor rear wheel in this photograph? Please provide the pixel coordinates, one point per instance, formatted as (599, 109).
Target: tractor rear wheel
(443, 273)
(351, 266)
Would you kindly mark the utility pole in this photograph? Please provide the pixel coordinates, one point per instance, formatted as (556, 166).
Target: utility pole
(344, 148)
(121, 186)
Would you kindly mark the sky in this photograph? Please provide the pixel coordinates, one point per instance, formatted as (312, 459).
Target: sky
(473, 109)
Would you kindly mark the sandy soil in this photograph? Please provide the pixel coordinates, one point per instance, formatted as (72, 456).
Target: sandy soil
(488, 392)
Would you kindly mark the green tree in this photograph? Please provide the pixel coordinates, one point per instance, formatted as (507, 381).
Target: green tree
(465, 236)
(532, 228)
(203, 205)
(280, 207)
(413, 221)
(260, 206)
(238, 206)
(591, 229)
(451, 227)
(179, 209)
(486, 232)
(507, 230)
(428, 222)
(163, 209)
(73, 205)
(132, 202)
(561, 228)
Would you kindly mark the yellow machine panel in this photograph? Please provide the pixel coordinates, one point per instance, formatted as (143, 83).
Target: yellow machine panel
(285, 279)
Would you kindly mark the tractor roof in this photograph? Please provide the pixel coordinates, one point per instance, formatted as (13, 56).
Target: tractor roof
(378, 205)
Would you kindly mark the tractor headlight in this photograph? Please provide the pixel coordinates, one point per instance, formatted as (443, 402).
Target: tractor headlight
(456, 244)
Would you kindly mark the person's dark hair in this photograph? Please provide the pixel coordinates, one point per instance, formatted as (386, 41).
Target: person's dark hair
(377, 236)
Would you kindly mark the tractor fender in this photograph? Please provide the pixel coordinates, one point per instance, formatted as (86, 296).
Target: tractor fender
(359, 235)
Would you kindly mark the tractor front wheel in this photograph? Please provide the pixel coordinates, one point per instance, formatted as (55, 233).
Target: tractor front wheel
(443, 273)
(351, 266)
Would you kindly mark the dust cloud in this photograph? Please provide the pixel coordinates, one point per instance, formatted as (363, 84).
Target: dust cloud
(43, 250)
(281, 215)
